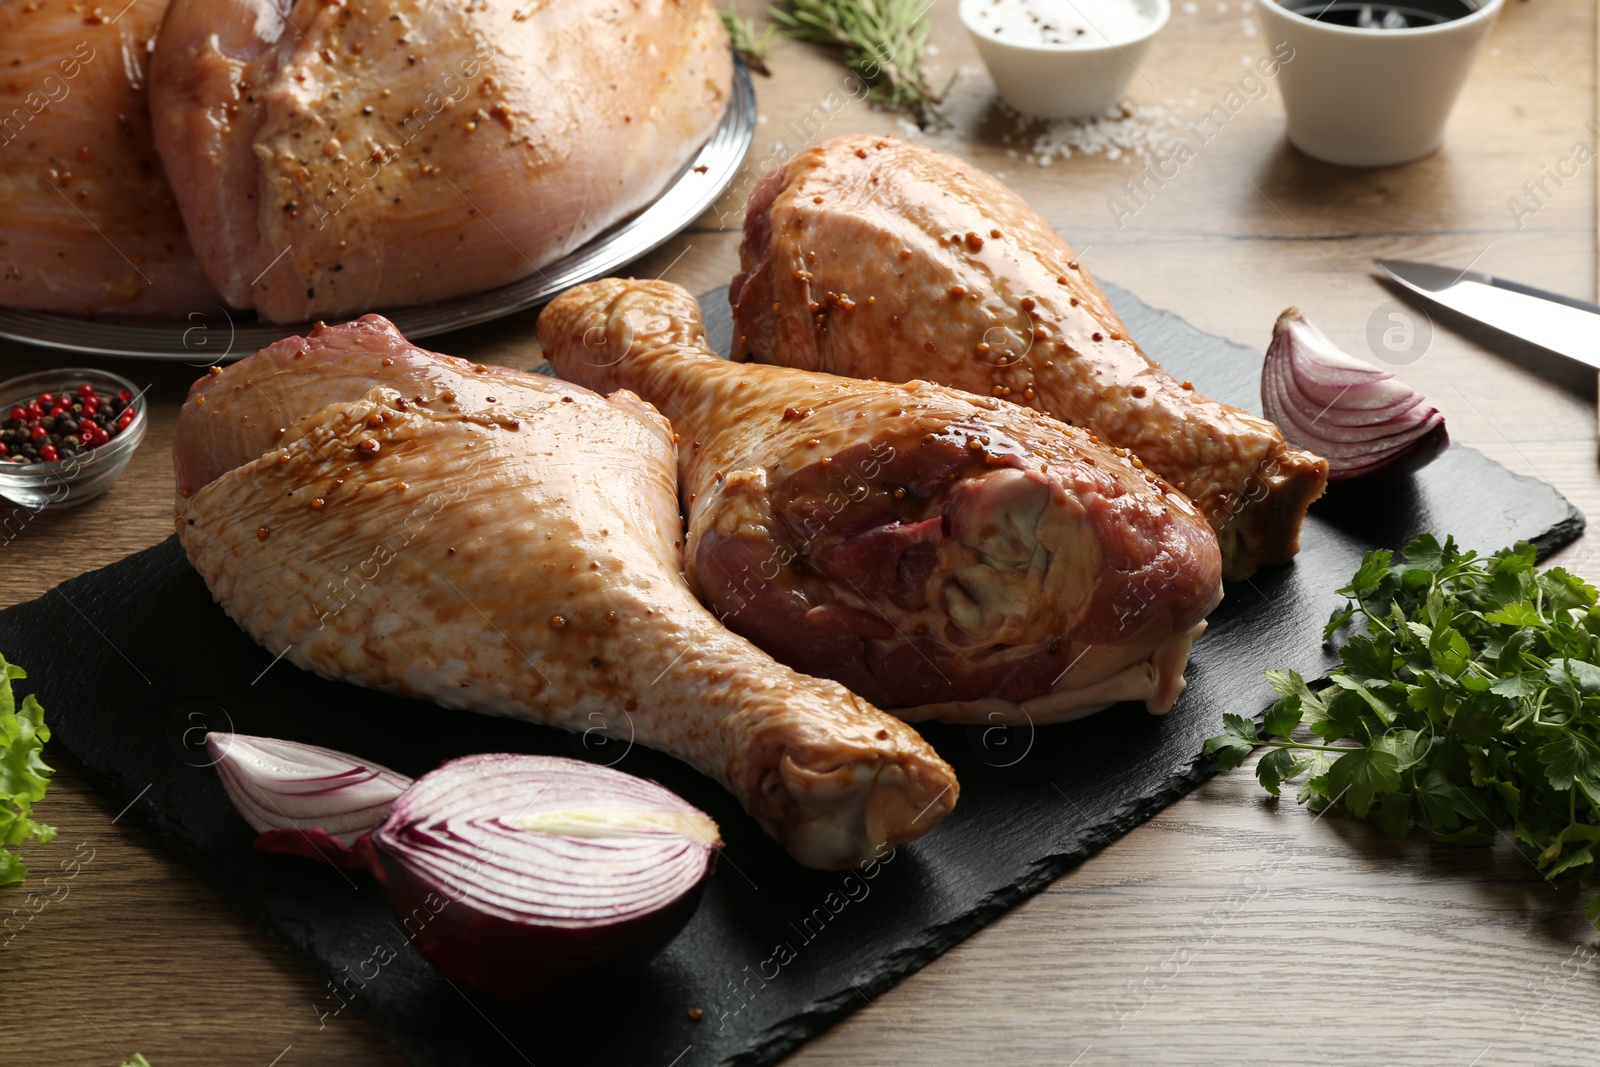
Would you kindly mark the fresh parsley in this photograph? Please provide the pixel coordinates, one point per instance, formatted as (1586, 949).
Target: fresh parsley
(1471, 702)
(23, 775)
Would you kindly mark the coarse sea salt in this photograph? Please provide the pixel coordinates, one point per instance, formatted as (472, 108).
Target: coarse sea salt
(1127, 131)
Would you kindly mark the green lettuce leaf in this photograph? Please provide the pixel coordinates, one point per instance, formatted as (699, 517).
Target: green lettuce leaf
(23, 774)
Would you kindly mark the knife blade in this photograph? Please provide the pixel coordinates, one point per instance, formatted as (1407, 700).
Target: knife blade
(1564, 325)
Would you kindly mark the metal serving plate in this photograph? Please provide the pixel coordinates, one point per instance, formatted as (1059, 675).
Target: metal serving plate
(216, 335)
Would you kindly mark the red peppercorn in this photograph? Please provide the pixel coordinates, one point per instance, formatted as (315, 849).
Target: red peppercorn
(124, 396)
(91, 403)
(4, 450)
(48, 453)
(86, 389)
(43, 399)
(19, 415)
(32, 411)
(38, 432)
(88, 426)
(125, 418)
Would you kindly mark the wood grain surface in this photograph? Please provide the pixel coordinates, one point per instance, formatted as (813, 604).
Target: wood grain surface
(1231, 928)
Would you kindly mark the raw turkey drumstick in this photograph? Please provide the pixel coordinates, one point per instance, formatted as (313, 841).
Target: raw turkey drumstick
(508, 543)
(944, 555)
(875, 258)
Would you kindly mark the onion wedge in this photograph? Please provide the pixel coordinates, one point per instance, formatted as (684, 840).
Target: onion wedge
(1361, 418)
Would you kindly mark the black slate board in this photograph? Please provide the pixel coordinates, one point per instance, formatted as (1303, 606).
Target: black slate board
(776, 953)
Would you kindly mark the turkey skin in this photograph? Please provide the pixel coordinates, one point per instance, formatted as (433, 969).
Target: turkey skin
(332, 158)
(90, 225)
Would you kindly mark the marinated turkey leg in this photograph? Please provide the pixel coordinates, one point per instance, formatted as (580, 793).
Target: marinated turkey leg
(508, 543)
(875, 258)
(944, 555)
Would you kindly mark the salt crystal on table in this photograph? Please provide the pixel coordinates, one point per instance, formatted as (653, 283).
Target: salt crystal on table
(1126, 132)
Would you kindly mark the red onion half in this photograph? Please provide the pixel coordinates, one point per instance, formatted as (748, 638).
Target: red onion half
(519, 876)
(1360, 418)
(555, 870)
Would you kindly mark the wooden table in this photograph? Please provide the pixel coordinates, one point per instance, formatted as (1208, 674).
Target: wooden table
(1229, 929)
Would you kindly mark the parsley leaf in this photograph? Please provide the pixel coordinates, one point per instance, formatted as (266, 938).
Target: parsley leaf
(1357, 777)
(1571, 757)
(1235, 745)
(23, 775)
(1466, 701)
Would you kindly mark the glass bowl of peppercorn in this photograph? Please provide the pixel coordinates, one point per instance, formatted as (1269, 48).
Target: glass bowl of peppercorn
(66, 435)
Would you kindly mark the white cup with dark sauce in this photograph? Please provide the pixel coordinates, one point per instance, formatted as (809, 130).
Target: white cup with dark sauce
(1370, 83)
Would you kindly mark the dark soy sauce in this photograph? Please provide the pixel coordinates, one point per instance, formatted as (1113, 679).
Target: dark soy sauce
(1362, 14)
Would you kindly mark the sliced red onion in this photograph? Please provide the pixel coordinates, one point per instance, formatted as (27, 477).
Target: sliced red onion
(285, 789)
(536, 873)
(519, 876)
(1360, 418)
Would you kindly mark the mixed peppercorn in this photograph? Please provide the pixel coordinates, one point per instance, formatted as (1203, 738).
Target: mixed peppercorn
(54, 426)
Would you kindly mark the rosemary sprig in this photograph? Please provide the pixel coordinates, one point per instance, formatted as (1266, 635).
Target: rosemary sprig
(752, 46)
(882, 41)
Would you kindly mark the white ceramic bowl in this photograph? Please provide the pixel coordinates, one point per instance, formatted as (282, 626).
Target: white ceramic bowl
(1371, 98)
(1065, 81)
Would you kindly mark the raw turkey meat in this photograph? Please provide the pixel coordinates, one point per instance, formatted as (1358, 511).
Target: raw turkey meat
(334, 157)
(944, 555)
(89, 223)
(508, 543)
(971, 288)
